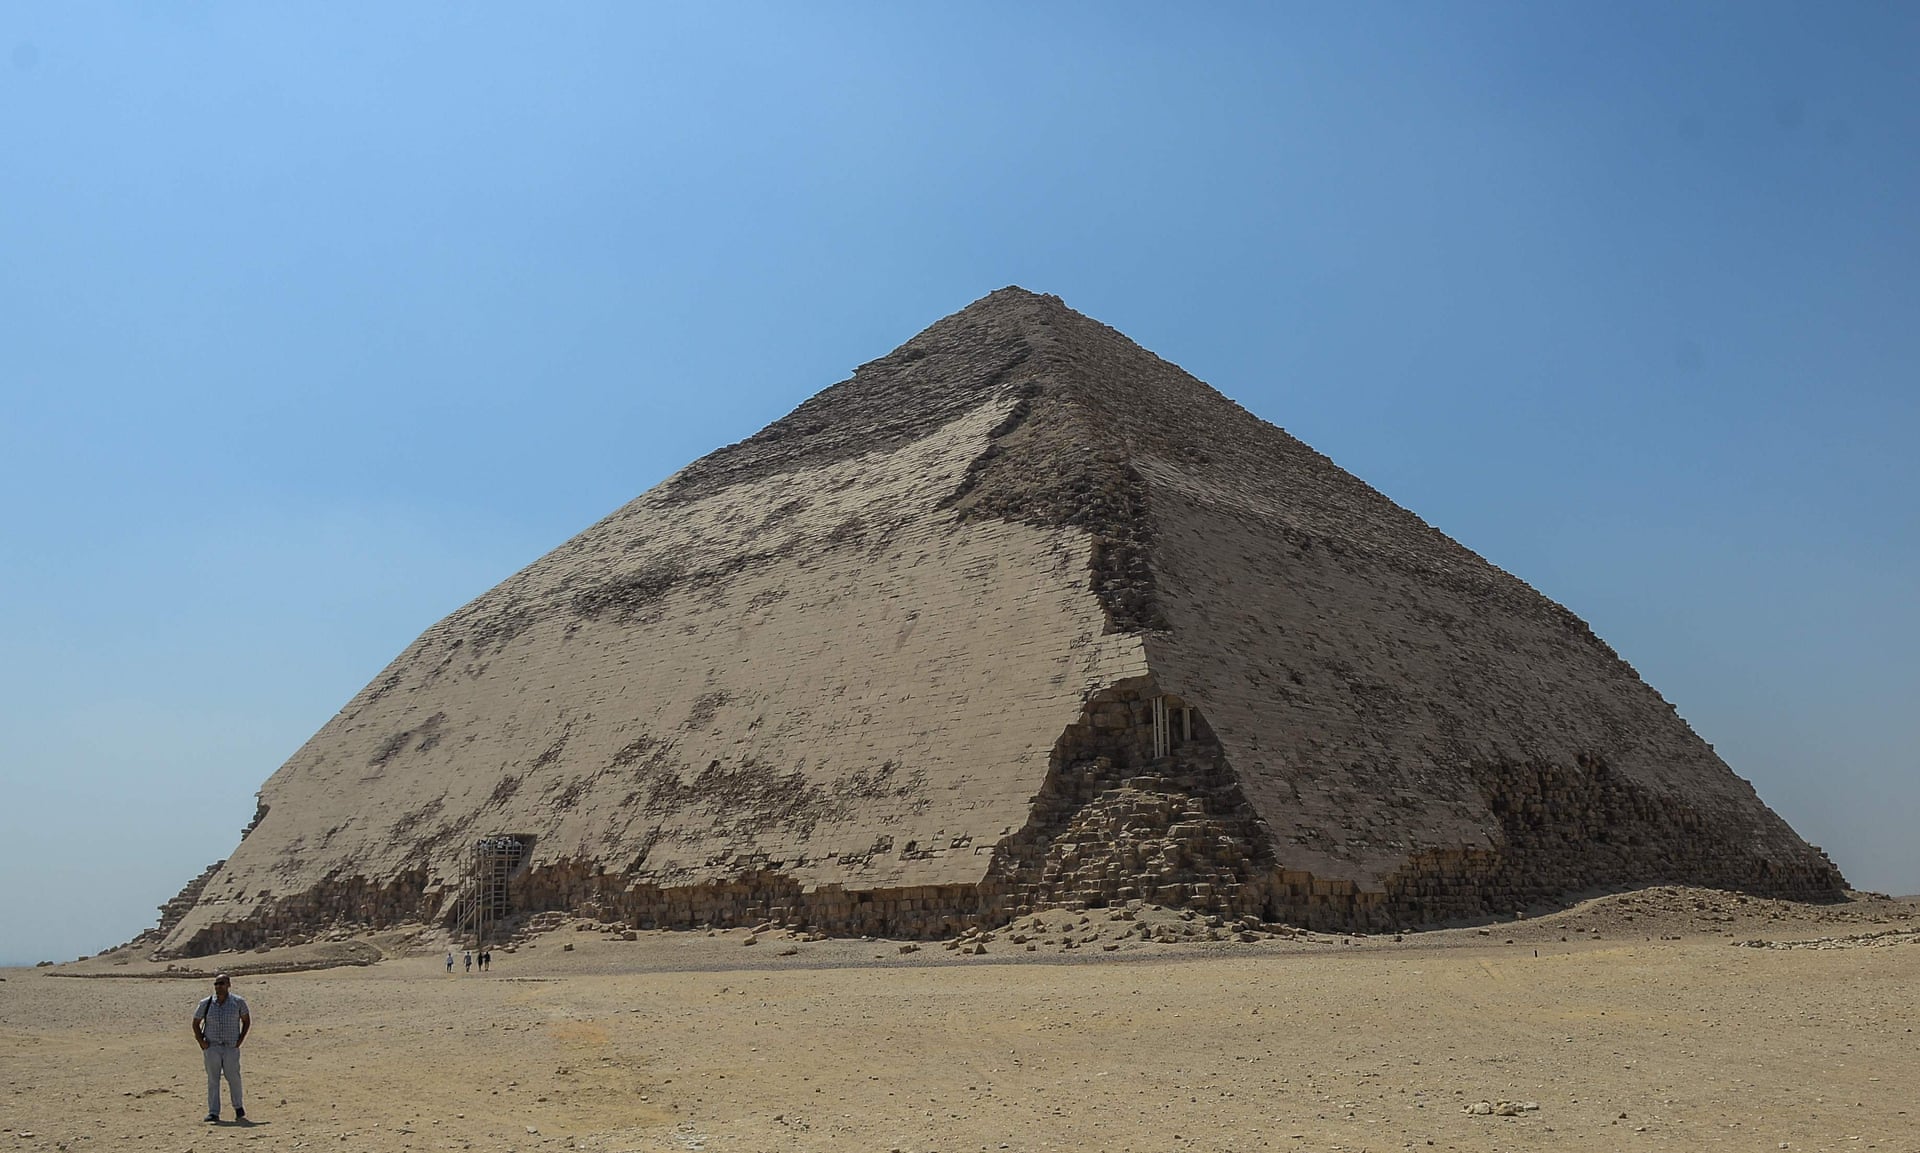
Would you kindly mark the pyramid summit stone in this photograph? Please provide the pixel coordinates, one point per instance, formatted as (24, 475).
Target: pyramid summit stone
(1019, 616)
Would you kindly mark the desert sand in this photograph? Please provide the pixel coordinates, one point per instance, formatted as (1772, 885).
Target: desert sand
(1660, 1019)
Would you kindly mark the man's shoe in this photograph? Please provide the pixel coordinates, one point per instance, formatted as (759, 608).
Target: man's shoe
(239, 1114)
(211, 1117)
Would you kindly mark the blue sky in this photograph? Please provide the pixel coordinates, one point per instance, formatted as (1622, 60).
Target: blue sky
(317, 321)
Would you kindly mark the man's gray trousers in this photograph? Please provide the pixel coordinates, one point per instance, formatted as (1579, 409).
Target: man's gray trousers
(222, 1059)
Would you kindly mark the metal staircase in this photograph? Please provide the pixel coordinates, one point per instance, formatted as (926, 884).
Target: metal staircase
(484, 895)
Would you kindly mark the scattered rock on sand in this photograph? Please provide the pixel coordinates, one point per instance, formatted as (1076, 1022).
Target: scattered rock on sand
(1500, 1108)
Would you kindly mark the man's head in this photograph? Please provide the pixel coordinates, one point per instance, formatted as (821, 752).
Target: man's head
(221, 983)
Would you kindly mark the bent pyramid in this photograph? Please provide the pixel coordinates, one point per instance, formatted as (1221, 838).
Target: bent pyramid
(1019, 616)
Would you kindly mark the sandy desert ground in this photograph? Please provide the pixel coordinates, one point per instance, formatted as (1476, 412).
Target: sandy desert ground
(1648, 1020)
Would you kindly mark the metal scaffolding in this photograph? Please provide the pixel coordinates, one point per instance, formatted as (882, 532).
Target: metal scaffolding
(1169, 720)
(484, 900)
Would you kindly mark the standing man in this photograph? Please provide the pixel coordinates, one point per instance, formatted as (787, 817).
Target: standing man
(220, 1024)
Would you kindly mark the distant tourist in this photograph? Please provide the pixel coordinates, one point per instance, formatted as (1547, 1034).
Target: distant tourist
(486, 959)
(449, 960)
(220, 1024)
(468, 958)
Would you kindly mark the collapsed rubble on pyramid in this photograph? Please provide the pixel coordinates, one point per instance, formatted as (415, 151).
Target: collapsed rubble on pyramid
(1020, 616)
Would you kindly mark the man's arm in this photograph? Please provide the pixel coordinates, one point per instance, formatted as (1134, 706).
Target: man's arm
(246, 1025)
(199, 1028)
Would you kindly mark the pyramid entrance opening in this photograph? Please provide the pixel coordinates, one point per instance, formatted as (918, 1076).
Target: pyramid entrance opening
(1172, 721)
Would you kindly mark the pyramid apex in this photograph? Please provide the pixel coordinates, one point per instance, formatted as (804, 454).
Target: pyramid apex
(1016, 296)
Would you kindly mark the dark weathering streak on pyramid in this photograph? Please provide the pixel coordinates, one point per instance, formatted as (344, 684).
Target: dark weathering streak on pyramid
(1019, 616)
